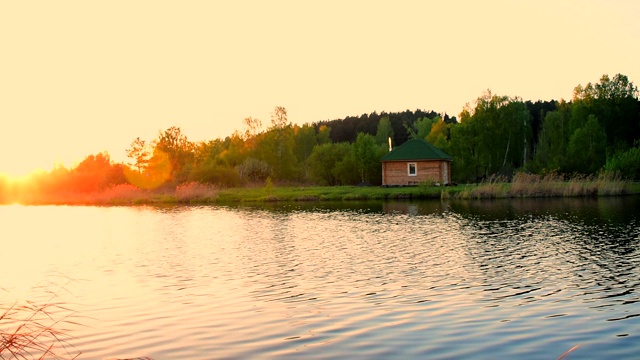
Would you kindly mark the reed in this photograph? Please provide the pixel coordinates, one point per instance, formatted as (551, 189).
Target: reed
(493, 187)
(122, 193)
(33, 331)
(522, 185)
(196, 192)
(612, 184)
(547, 185)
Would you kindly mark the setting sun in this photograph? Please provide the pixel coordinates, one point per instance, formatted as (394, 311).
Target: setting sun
(73, 84)
(330, 179)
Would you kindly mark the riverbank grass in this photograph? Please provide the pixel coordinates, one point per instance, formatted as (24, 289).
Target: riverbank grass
(328, 193)
(522, 186)
(550, 185)
(34, 331)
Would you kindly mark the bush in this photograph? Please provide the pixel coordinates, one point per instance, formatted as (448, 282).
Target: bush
(217, 175)
(254, 170)
(625, 163)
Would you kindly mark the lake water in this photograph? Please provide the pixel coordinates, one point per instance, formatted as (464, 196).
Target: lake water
(430, 280)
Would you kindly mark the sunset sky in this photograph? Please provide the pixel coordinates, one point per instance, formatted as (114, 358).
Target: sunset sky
(81, 77)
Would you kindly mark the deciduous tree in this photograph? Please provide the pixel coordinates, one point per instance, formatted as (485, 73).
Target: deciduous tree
(384, 132)
(587, 147)
(365, 153)
(139, 153)
(179, 151)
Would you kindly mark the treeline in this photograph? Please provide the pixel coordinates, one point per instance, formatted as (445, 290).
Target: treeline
(597, 130)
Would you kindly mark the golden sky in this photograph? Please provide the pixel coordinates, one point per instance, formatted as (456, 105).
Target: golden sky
(80, 77)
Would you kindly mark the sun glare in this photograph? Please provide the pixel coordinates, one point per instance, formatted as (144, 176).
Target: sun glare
(20, 169)
(158, 172)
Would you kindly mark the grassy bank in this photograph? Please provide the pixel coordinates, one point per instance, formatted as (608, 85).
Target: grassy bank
(328, 193)
(551, 185)
(123, 194)
(522, 186)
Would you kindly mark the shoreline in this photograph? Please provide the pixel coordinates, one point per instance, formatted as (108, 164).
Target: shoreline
(196, 193)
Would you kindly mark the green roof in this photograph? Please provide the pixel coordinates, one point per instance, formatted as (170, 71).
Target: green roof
(415, 149)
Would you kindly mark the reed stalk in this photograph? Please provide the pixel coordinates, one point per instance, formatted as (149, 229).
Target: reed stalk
(34, 331)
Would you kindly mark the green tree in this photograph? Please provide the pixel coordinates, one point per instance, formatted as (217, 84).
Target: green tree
(304, 140)
(211, 159)
(333, 164)
(276, 146)
(235, 150)
(494, 136)
(344, 168)
(384, 132)
(324, 134)
(323, 160)
(440, 134)
(613, 101)
(625, 163)
(209, 151)
(421, 127)
(587, 147)
(216, 174)
(553, 140)
(365, 153)
(179, 151)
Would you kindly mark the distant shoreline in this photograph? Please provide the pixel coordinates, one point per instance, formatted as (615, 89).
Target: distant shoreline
(527, 186)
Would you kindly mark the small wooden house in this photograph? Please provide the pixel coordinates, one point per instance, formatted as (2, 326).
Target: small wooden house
(414, 162)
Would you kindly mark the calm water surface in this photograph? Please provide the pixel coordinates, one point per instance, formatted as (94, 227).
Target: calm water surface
(429, 280)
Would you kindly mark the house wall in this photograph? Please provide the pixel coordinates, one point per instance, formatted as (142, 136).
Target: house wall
(395, 172)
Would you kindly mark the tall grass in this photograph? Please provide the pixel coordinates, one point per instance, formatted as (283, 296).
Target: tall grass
(196, 192)
(122, 194)
(548, 185)
(33, 331)
(493, 187)
(522, 185)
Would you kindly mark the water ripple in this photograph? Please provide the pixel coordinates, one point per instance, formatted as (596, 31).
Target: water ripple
(386, 280)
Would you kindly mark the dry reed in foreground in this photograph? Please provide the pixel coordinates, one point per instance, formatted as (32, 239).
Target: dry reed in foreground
(32, 331)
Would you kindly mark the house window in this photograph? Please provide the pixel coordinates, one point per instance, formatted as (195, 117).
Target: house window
(411, 169)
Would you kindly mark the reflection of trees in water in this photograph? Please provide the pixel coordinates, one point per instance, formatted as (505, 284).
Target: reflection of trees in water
(529, 249)
(268, 253)
(523, 250)
(416, 207)
(355, 256)
(286, 207)
(618, 209)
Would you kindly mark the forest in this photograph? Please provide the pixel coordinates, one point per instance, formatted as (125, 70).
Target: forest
(597, 131)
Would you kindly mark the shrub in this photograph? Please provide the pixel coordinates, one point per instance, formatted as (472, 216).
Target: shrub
(625, 163)
(216, 174)
(254, 170)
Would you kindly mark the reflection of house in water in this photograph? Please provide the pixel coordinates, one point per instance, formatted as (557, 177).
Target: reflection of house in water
(426, 207)
(414, 162)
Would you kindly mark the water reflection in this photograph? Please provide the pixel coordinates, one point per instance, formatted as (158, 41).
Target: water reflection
(433, 279)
